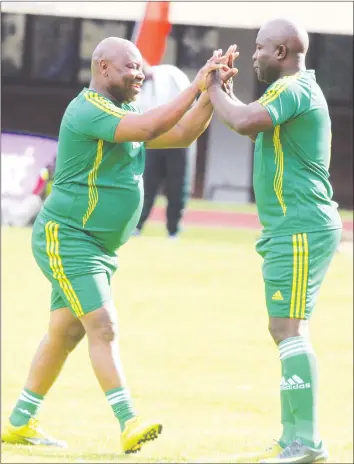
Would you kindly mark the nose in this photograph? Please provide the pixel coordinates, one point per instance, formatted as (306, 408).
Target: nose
(140, 76)
(254, 56)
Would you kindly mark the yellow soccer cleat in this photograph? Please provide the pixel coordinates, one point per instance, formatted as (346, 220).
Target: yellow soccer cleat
(29, 434)
(137, 432)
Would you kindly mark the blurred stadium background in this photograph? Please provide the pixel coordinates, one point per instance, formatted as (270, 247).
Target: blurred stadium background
(199, 312)
(46, 50)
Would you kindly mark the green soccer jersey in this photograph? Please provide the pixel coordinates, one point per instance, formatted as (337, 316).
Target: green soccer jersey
(98, 186)
(290, 177)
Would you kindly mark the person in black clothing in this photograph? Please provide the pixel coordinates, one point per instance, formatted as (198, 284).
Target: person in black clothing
(162, 84)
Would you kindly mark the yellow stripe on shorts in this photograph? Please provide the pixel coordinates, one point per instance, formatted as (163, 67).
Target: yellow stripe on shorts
(56, 265)
(300, 276)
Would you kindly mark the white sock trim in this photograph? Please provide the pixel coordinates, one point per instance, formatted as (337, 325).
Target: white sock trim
(31, 399)
(118, 395)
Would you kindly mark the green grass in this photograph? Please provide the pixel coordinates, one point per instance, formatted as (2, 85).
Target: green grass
(195, 347)
(206, 205)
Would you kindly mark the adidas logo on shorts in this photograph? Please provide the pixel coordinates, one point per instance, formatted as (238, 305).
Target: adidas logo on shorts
(277, 296)
(293, 383)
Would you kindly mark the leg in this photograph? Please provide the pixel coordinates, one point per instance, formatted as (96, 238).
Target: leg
(294, 268)
(176, 187)
(74, 263)
(102, 333)
(287, 329)
(64, 333)
(153, 176)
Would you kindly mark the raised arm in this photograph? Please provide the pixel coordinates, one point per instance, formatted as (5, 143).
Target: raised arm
(189, 128)
(153, 123)
(196, 120)
(244, 119)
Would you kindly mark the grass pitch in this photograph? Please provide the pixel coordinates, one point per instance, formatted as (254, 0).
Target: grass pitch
(195, 347)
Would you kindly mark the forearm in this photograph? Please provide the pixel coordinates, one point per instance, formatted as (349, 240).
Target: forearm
(196, 120)
(164, 117)
(230, 109)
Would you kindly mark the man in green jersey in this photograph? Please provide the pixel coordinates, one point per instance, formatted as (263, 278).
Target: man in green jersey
(291, 127)
(94, 206)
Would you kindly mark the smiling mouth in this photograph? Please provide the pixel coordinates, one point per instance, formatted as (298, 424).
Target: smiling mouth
(136, 86)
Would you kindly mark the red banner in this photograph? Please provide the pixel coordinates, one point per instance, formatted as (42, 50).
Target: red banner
(151, 34)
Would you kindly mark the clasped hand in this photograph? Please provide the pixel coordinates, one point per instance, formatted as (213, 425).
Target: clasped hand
(218, 70)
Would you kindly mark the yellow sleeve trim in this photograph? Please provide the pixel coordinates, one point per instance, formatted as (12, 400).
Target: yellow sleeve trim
(104, 105)
(279, 87)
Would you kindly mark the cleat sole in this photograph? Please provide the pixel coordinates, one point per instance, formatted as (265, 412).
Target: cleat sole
(148, 436)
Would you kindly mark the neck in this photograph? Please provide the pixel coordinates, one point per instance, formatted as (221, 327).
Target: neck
(297, 65)
(99, 88)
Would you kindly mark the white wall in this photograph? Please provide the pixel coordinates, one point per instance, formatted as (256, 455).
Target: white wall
(318, 16)
(230, 156)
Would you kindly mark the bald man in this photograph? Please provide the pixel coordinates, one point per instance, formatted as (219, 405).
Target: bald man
(94, 206)
(291, 127)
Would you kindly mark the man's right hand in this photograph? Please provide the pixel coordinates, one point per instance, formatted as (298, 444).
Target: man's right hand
(211, 65)
(228, 59)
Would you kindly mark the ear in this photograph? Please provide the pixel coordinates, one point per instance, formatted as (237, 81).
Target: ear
(282, 52)
(103, 66)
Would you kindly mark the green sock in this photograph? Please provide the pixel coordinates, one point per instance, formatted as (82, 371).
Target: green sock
(287, 419)
(120, 402)
(27, 406)
(300, 383)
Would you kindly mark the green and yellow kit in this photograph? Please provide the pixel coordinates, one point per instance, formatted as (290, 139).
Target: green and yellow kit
(94, 206)
(301, 223)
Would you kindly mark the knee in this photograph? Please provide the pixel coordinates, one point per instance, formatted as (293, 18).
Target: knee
(68, 337)
(280, 329)
(107, 332)
(102, 326)
(73, 336)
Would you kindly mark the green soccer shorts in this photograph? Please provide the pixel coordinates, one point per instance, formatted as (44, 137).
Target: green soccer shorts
(293, 270)
(78, 268)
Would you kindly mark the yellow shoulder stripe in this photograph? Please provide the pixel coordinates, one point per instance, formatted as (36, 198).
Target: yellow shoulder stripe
(273, 93)
(104, 105)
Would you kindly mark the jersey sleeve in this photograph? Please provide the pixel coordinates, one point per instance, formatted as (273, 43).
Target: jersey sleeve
(100, 117)
(285, 99)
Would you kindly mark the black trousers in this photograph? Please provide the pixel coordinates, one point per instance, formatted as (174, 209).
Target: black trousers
(169, 166)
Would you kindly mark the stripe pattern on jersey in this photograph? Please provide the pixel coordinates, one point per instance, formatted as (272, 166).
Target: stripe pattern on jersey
(279, 172)
(300, 276)
(104, 104)
(279, 87)
(92, 187)
(56, 265)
